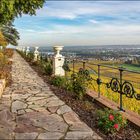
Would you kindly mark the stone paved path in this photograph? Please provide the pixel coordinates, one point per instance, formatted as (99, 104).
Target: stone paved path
(29, 109)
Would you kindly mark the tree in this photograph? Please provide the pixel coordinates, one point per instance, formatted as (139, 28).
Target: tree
(9, 9)
(10, 33)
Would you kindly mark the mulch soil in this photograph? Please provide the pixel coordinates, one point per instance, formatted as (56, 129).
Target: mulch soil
(86, 109)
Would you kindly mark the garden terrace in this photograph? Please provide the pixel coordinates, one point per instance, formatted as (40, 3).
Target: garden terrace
(30, 110)
(68, 91)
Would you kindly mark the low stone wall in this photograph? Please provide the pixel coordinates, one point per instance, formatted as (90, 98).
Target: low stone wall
(131, 116)
(2, 86)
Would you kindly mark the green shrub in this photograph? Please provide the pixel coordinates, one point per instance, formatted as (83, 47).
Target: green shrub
(30, 56)
(58, 81)
(80, 82)
(68, 85)
(110, 121)
(48, 69)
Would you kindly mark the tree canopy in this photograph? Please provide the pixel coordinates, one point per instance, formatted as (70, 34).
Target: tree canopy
(9, 9)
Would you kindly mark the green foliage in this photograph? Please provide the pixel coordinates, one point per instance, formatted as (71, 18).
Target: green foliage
(30, 56)
(68, 85)
(66, 66)
(110, 121)
(58, 81)
(9, 9)
(10, 34)
(21, 53)
(48, 69)
(80, 82)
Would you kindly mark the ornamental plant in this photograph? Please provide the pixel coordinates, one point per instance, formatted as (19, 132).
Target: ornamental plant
(110, 121)
(58, 81)
(48, 69)
(80, 82)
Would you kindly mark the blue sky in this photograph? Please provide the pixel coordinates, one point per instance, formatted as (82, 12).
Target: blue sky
(81, 23)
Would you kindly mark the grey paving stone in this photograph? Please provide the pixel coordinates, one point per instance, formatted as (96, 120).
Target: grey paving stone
(55, 103)
(50, 136)
(76, 135)
(82, 127)
(17, 105)
(52, 123)
(71, 118)
(53, 109)
(26, 136)
(63, 109)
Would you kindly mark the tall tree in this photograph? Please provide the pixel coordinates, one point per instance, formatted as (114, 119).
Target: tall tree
(9, 9)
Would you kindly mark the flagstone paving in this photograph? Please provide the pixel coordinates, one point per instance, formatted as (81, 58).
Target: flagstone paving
(30, 110)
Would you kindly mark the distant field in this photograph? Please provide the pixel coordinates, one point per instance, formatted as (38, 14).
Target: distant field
(127, 66)
(107, 74)
(131, 67)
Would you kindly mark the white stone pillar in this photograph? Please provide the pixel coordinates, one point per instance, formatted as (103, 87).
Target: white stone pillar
(27, 50)
(23, 49)
(36, 54)
(58, 61)
(17, 48)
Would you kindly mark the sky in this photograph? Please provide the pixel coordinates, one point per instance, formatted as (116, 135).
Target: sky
(72, 23)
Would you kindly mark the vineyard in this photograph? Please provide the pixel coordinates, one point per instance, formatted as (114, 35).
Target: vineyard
(106, 75)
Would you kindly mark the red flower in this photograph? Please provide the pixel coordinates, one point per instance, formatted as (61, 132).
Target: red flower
(116, 126)
(111, 117)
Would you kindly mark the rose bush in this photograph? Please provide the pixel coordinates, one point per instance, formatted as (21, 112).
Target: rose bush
(110, 121)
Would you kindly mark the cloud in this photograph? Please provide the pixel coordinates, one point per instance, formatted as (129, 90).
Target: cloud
(82, 22)
(93, 21)
(75, 9)
(82, 35)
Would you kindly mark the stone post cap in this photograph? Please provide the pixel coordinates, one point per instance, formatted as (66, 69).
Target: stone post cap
(36, 47)
(58, 48)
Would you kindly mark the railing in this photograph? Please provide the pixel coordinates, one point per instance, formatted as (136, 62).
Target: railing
(116, 80)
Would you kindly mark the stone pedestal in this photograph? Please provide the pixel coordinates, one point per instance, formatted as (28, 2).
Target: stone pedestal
(58, 61)
(36, 54)
(23, 49)
(27, 50)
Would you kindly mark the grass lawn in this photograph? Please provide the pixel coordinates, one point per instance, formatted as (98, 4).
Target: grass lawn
(131, 67)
